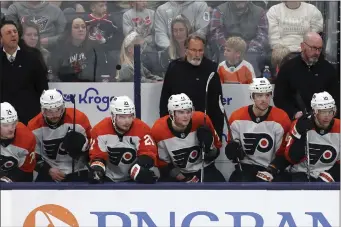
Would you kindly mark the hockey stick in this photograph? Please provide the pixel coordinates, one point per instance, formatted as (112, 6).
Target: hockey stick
(72, 99)
(303, 108)
(228, 128)
(205, 115)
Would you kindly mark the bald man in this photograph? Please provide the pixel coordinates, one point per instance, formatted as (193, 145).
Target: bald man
(306, 74)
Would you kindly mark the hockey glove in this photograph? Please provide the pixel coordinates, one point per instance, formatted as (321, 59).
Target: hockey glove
(267, 175)
(141, 171)
(74, 143)
(5, 180)
(177, 174)
(325, 177)
(304, 124)
(234, 150)
(97, 171)
(205, 137)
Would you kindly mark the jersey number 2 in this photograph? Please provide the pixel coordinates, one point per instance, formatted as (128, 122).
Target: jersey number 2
(148, 140)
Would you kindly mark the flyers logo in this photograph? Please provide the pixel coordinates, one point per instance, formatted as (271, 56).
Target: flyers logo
(323, 153)
(125, 155)
(50, 215)
(261, 142)
(182, 156)
(54, 147)
(7, 163)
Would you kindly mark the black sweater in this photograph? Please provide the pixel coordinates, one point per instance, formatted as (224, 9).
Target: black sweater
(183, 77)
(296, 76)
(23, 81)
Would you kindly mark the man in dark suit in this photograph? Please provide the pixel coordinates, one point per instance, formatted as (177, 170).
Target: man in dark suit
(23, 73)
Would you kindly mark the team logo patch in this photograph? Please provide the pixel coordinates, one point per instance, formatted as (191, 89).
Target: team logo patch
(53, 147)
(261, 142)
(186, 155)
(7, 163)
(323, 153)
(121, 155)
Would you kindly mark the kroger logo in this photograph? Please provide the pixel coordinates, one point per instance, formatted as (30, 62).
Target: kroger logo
(90, 96)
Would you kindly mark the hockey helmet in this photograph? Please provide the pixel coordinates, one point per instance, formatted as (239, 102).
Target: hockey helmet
(51, 99)
(260, 85)
(122, 105)
(179, 102)
(8, 113)
(322, 101)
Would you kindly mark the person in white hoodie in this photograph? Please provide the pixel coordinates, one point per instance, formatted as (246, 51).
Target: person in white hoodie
(197, 13)
(49, 18)
(290, 20)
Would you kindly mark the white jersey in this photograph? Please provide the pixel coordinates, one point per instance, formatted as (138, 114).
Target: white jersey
(261, 137)
(324, 150)
(49, 140)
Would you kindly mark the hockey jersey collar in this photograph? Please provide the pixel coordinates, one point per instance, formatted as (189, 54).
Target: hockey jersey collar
(256, 119)
(322, 131)
(181, 135)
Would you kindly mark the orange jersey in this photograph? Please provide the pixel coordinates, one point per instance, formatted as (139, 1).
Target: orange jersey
(49, 140)
(120, 153)
(243, 73)
(261, 137)
(20, 152)
(182, 149)
(324, 149)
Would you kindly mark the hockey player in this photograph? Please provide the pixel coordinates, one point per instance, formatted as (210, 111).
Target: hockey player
(180, 137)
(122, 148)
(61, 148)
(323, 144)
(258, 131)
(17, 144)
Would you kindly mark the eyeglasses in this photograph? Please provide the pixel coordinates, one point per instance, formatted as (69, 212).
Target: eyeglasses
(319, 49)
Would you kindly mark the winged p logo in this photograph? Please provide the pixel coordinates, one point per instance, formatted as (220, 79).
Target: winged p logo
(7, 163)
(121, 154)
(185, 155)
(261, 142)
(53, 147)
(323, 153)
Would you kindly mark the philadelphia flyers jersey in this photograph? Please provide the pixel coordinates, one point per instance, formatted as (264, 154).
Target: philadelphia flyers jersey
(50, 140)
(120, 152)
(20, 152)
(182, 149)
(261, 137)
(324, 149)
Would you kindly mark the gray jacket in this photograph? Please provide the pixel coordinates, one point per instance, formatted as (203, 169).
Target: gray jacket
(196, 12)
(49, 18)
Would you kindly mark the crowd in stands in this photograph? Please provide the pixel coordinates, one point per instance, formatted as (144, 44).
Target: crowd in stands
(85, 41)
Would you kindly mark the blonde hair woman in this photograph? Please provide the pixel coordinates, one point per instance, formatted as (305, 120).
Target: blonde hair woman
(126, 74)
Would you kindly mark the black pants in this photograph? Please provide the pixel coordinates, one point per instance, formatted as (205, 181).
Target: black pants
(81, 176)
(211, 174)
(302, 177)
(249, 172)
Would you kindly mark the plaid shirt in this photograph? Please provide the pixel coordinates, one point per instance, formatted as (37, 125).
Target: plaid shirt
(257, 44)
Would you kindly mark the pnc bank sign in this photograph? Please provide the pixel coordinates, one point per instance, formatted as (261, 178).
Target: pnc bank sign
(51, 215)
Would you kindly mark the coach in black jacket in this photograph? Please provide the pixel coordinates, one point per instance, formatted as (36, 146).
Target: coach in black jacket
(306, 74)
(23, 73)
(189, 75)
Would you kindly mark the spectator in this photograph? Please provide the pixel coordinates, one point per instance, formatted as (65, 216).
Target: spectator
(126, 74)
(77, 59)
(235, 69)
(141, 20)
(305, 74)
(100, 25)
(23, 73)
(189, 75)
(290, 20)
(279, 53)
(50, 27)
(4, 7)
(243, 19)
(196, 12)
(31, 37)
